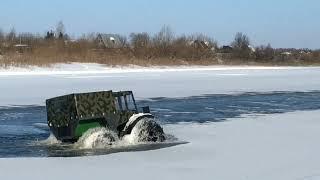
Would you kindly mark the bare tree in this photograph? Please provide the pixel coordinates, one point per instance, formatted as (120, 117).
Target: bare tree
(123, 41)
(11, 36)
(209, 41)
(1, 37)
(140, 40)
(264, 53)
(241, 45)
(181, 41)
(241, 41)
(164, 37)
(163, 40)
(91, 37)
(60, 30)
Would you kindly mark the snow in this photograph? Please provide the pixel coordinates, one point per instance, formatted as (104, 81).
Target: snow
(93, 68)
(34, 85)
(278, 146)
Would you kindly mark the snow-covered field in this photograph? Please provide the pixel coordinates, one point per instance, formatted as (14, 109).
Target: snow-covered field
(278, 146)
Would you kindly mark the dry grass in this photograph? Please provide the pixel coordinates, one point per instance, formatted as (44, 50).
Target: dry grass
(161, 49)
(47, 59)
(144, 50)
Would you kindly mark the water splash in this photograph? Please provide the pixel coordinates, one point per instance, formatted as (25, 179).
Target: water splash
(146, 130)
(97, 138)
(102, 141)
(50, 141)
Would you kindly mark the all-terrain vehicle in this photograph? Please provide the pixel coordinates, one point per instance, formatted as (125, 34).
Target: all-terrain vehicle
(70, 116)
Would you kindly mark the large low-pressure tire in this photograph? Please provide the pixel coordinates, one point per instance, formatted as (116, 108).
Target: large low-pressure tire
(148, 130)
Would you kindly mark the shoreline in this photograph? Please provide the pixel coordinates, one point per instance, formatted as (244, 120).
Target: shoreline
(95, 68)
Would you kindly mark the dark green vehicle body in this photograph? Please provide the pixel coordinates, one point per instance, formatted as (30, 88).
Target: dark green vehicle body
(72, 115)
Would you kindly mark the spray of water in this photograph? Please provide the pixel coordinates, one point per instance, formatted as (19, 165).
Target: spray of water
(97, 138)
(51, 140)
(146, 130)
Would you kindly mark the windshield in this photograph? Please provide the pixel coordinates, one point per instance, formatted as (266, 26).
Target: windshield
(130, 102)
(125, 103)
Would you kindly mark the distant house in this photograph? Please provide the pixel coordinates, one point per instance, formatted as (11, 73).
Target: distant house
(229, 49)
(226, 49)
(286, 53)
(305, 51)
(204, 45)
(22, 48)
(199, 44)
(252, 49)
(108, 41)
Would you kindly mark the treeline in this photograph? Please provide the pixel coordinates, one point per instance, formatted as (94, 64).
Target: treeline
(162, 48)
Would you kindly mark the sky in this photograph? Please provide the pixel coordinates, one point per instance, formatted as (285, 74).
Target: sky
(282, 23)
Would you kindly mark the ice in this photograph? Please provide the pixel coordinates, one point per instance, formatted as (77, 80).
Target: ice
(34, 86)
(279, 146)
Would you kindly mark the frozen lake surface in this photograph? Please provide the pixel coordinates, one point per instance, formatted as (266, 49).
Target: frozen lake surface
(240, 122)
(26, 87)
(21, 127)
